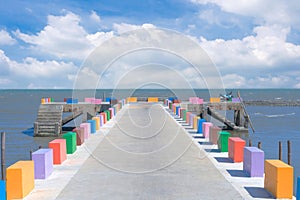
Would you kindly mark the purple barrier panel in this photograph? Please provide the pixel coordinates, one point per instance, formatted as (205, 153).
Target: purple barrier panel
(253, 162)
(43, 163)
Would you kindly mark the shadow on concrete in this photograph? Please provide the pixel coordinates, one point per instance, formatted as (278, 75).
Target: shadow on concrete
(258, 192)
(192, 131)
(237, 173)
(198, 136)
(212, 150)
(187, 126)
(223, 160)
(205, 143)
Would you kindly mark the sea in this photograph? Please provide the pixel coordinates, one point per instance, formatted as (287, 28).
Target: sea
(18, 111)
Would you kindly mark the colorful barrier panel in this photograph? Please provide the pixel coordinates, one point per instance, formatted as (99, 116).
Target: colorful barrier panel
(253, 163)
(72, 101)
(112, 112)
(279, 179)
(131, 99)
(215, 100)
(223, 141)
(101, 120)
(195, 122)
(184, 114)
(59, 150)
(97, 119)
(107, 115)
(181, 113)
(200, 125)
(89, 99)
(87, 129)
(104, 117)
(43, 163)
(2, 189)
(152, 99)
(205, 128)
(70, 141)
(235, 100)
(298, 188)
(19, 179)
(236, 149)
(93, 125)
(188, 114)
(192, 115)
(177, 110)
(79, 135)
(214, 134)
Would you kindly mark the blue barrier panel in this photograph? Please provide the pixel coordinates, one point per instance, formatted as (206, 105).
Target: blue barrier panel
(200, 122)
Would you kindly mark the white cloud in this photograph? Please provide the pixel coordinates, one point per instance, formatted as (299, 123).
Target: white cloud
(63, 37)
(266, 49)
(95, 17)
(265, 12)
(124, 27)
(234, 81)
(6, 39)
(32, 72)
(99, 37)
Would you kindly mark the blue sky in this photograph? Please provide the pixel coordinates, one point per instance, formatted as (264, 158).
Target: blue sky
(254, 44)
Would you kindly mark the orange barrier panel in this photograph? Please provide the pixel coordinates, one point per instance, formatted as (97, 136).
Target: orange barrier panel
(215, 100)
(152, 99)
(59, 147)
(131, 99)
(195, 123)
(279, 179)
(236, 149)
(19, 179)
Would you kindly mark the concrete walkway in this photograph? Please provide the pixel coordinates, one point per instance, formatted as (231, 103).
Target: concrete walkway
(142, 154)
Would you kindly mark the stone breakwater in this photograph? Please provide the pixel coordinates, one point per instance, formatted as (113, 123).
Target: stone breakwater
(271, 103)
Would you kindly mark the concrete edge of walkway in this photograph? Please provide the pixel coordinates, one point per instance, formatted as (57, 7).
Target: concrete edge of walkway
(237, 180)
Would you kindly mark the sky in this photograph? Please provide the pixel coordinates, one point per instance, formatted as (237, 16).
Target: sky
(253, 44)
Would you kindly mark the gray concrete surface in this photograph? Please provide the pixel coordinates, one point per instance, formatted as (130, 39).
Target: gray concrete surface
(147, 155)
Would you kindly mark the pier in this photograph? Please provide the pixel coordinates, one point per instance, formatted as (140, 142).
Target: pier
(148, 150)
(143, 154)
(50, 119)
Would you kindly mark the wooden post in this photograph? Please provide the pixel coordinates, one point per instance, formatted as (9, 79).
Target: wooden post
(3, 156)
(30, 154)
(250, 143)
(279, 151)
(259, 145)
(289, 152)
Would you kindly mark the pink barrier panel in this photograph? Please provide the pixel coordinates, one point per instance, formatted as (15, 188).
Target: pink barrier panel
(98, 101)
(87, 129)
(89, 99)
(205, 129)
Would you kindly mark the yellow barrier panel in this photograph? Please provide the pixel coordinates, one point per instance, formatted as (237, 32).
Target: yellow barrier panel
(279, 179)
(195, 124)
(152, 99)
(215, 100)
(97, 119)
(131, 99)
(19, 179)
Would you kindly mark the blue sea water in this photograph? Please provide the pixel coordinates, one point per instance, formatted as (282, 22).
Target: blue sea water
(18, 111)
